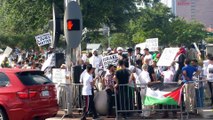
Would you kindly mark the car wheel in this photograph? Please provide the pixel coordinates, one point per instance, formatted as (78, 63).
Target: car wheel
(3, 116)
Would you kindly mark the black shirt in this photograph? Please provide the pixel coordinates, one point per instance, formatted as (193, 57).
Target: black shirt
(123, 76)
(151, 71)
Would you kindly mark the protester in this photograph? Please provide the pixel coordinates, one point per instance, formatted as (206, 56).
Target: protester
(109, 84)
(188, 72)
(144, 80)
(147, 56)
(122, 77)
(135, 77)
(151, 71)
(206, 63)
(168, 75)
(88, 93)
(199, 89)
(120, 53)
(210, 77)
(192, 54)
(131, 57)
(179, 59)
(139, 57)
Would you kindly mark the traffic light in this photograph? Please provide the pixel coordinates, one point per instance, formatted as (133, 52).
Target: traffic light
(73, 24)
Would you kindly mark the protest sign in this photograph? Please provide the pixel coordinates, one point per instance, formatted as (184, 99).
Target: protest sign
(152, 44)
(58, 75)
(198, 51)
(110, 59)
(43, 39)
(50, 62)
(6, 53)
(167, 56)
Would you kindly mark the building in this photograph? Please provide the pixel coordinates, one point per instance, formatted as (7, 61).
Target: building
(198, 10)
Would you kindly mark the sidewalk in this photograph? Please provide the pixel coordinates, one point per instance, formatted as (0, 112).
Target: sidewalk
(156, 116)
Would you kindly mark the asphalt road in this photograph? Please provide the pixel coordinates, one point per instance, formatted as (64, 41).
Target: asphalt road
(155, 116)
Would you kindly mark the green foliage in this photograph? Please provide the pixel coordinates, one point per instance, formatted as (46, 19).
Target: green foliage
(209, 39)
(21, 20)
(157, 21)
(114, 13)
(121, 40)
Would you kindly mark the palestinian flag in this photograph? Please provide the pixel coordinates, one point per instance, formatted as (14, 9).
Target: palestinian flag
(154, 97)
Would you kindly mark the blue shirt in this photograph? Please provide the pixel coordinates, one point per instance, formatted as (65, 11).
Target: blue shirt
(189, 71)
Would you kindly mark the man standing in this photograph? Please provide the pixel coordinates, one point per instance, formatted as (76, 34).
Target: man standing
(95, 60)
(87, 92)
(151, 71)
(139, 57)
(147, 56)
(131, 57)
(187, 73)
(109, 83)
(123, 91)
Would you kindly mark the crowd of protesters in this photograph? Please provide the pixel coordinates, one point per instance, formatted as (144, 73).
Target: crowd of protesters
(140, 67)
(137, 67)
(24, 60)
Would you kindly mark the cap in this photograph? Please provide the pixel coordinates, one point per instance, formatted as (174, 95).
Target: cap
(119, 49)
(109, 49)
(129, 49)
(93, 50)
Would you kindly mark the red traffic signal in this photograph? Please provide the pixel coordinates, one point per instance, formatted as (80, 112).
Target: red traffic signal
(73, 24)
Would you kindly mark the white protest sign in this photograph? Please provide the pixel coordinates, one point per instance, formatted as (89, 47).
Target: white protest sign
(58, 75)
(50, 62)
(197, 48)
(43, 39)
(167, 56)
(152, 44)
(6, 53)
(110, 59)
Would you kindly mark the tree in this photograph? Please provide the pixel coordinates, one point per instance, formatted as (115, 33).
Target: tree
(114, 13)
(21, 20)
(157, 21)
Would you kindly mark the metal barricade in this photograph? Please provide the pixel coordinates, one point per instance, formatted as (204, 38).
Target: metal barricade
(64, 95)
(127, 104)
(69, 98)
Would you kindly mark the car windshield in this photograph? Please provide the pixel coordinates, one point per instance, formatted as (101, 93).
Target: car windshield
(33, 78)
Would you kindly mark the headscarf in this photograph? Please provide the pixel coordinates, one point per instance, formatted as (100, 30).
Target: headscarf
(181, 51)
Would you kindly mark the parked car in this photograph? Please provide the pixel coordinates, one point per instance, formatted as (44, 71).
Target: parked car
(26, 95)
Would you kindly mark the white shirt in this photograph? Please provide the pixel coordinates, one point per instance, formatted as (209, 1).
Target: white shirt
(168, 76)
(149, 57)
(86, 79)
(205, 65)
(137, 78)
(95, 61)
(210, 73)
(144, 77)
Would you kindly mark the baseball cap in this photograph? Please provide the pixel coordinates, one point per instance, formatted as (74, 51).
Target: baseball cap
(119, 49)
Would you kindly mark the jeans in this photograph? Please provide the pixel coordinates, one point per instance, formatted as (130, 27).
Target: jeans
(199, 92)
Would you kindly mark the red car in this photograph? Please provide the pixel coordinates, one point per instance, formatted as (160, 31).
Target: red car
(26, 95)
